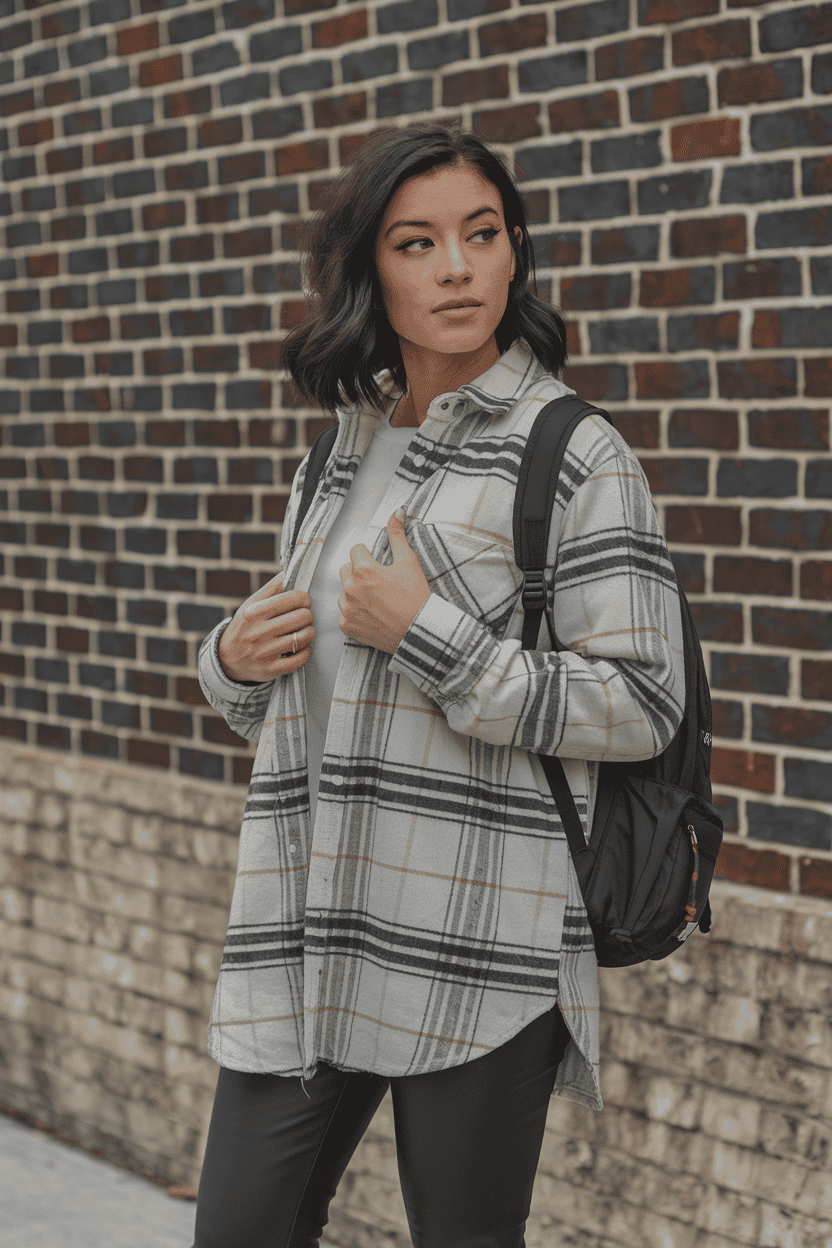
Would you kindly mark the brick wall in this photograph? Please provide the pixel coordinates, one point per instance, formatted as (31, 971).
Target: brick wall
(716, 1064)
(157, 160)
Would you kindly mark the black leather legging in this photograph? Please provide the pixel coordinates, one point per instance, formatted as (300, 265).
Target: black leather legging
(468, 1141)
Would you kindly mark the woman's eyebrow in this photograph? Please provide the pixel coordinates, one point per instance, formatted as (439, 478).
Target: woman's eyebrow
(427, 224)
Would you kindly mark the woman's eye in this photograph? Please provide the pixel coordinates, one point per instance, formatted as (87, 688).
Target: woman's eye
(488, 230)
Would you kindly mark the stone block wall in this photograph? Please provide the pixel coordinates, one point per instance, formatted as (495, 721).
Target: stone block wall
(716, 1063)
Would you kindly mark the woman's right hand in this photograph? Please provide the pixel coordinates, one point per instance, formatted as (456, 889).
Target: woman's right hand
(257, 644)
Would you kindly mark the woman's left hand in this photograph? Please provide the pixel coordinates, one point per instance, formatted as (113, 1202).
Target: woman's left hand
(381, 601)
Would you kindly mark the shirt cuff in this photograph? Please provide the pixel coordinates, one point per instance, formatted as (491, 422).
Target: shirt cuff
(213, 674)
(445, 652)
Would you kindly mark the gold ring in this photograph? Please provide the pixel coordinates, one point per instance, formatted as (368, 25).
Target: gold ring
(294, 643)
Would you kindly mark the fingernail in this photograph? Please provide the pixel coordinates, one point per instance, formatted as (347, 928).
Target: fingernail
(400, 515)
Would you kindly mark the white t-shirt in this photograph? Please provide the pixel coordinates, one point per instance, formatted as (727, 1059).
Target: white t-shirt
(373, 475)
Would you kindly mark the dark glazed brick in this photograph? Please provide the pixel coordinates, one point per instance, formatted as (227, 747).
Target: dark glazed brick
(137, 255)
(101, 11)
(692, 333)
(608, 199)
(411, 15)
(30, 700)
(53, 737)
(263, 201)
(498, 38)
(635, 151)
(718, 621)
(133, 113)
(635, 333)
(274, 123)
(270, 45)
(190, 177)
(131, 503)
(242, 90)
(761, 279)
(53, 670)
(619, 246)
(317, 75)
(792, 726)
(38, 64)
(422, 54)
(792, 127)
(166, 142)
(630, 57)
(191, 26)
(817, 176)
(221, 282)
(143, 468)
(822, 73)
(703, 428)
(789, 825)
(816, 580)
(241, 167)
(716, 526)
(588, 21)
(397, 98)
(796, 629)
(16, 167)
(752, 184)
(214, 59)
(819, 478)
(201, 763)
(793, 530)
(168, 580)
(198, 544)
(196, 618)
(793, 327)
(110, 81)
(187, 103)
(187, 250)
(229, 508)
(682, 475)
(809, 779)
(796, 28)
(200, 397)
(746, 673)
(678, 191)
(78, 571)
(757, 379)
(579, 294)
(253, 546)
(241, 13)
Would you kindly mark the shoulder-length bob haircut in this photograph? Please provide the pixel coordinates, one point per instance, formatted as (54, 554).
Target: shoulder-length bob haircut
(346, 339)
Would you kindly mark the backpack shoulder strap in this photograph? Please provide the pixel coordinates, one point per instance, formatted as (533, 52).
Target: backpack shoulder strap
(534, 501)
(319, 454)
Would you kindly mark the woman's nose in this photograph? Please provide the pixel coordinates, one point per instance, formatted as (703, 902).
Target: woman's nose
(454, 259)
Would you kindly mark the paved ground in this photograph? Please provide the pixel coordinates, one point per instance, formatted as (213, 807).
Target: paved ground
(56, 1196)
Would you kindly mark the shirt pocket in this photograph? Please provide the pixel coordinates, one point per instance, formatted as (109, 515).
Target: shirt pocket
(477, 573)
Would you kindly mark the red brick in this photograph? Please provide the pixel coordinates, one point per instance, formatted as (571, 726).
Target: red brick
(93, 329)
(223, 583)
(703, 525)
(34, 132)
(76, 434)
(673, 98)
(8, 335)
(111, 151)
(252, 242)
(337, 30)
(293, 7)
(216, 433)
(742, 574)
(475, 84)
(264, 354)
(51, 736)
(187, 250)
(339, 110)
(150, 684)
(727, 718)
(156, 73)
(215, 359)
(241, 766)
(676, 10)
(170, 723)
(12, 599)
(508, 125)
(148, 753)
(817, 180)
(221, 132)
(165, 433)
(273, 508)
(743, 769)
(584, 112)
(188, 690)
(270, 432)
(138, 39)
(51, 603)
(57, 24)
(590, 381)
(12, 664)
(705, 427)
(659, 380)
(816, 877)
(301, 157)
(818, 377)
(57, 93)
(73, 640)
(762, 868)
(98, 398)
(15, 729)
(750, 84)
(160, 216)
(186, 103)
(498, 38)
(45, 265)
(20, 102)
(707, 236)
(697, 140)
(816, 679)
(165, 142)
(816, 580)
(573, 339)
(664, 288)
(216, 731)
(64, 160)
(756, 279)
(786, 428)
(161, 362)
(630, 57)
(639, 429)
(716, 42)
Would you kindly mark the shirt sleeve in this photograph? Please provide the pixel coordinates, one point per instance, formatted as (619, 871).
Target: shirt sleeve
(614, 687)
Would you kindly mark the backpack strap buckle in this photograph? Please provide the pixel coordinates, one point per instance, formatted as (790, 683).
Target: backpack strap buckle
(534, 590)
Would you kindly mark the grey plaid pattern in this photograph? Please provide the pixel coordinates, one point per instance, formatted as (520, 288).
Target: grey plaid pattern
(436, 912)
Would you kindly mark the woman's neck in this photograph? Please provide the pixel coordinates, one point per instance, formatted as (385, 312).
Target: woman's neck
(432, 373)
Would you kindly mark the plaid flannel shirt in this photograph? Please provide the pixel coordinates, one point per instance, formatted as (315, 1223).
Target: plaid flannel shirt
(434, 911)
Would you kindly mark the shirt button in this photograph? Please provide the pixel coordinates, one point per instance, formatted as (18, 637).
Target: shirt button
(444, 407)
(418, 460)
(293, 849)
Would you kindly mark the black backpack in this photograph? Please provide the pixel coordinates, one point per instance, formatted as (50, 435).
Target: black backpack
(646, 870)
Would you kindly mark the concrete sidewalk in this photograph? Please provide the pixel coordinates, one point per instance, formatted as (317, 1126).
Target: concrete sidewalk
(55, 1196)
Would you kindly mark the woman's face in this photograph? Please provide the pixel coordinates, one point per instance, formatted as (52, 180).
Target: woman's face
(443, 239)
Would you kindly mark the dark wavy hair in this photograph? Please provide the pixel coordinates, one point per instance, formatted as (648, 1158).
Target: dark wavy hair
(346, 339)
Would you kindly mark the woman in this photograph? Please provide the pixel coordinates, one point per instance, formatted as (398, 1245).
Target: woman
(406, 912)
